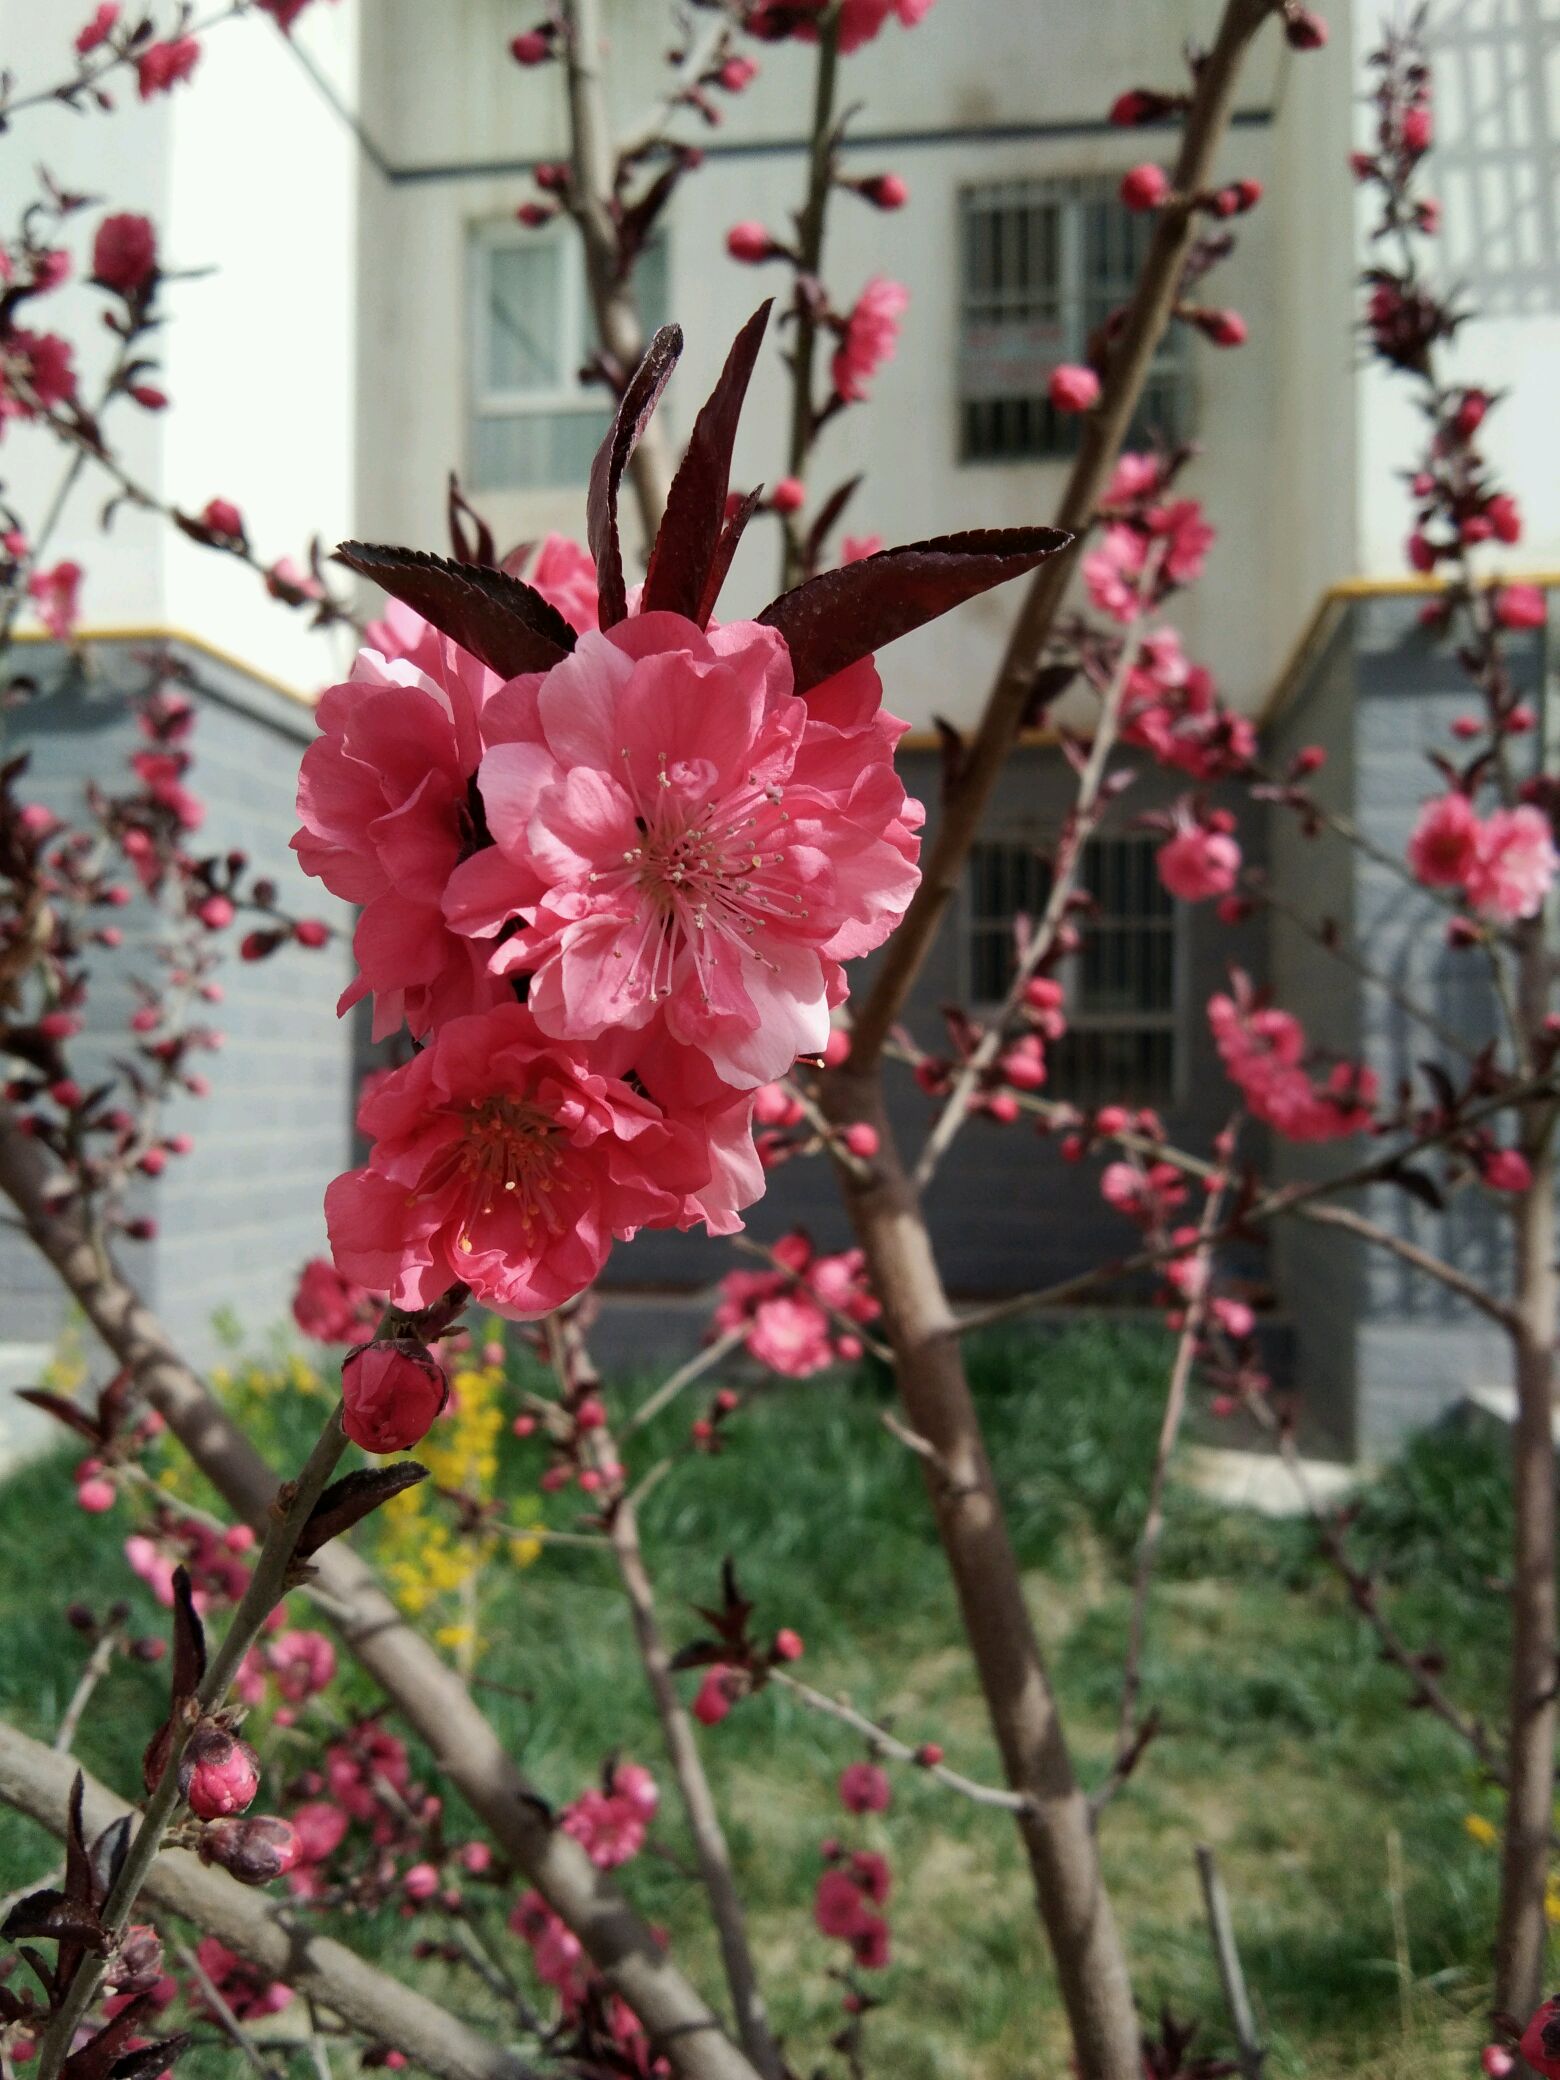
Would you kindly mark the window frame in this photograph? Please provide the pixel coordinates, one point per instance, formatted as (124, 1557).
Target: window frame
(1070, 195)
(1022, 837)
(494, 235)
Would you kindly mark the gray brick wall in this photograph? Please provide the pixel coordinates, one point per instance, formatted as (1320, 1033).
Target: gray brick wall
(239, 1213)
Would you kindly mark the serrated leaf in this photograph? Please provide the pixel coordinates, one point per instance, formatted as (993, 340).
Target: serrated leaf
(108, 1853)
(639, 400)
(689, 537)
(498, 618)
(50, 1917)
(478, 546)
(357, 1495)
(152, 2059)
(833, 620)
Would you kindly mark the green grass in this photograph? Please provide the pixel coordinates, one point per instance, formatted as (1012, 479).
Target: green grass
(1286, 1742)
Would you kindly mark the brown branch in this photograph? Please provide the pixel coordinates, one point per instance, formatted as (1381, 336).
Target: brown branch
(99, 1662)
(811, 223)
(1221, 1932)
(577, 1375)
(1104, 431)
(427, 1693)
(267, 1932)
(590, 202)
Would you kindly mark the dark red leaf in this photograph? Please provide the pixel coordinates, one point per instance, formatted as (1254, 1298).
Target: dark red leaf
(477, 546)
(189, 1639)
(730, 535)
(500, 619)
(691, 529)
(50, 1917)
(154, 1756)
(107, 1854)
(63, 1411)
(95, 2059)
(78, 1864)
(829, 513)
(348, 1501)
(151, 2059)
(834, 619)
(635, 406)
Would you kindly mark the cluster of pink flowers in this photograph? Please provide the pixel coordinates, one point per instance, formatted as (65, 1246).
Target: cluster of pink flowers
(854, 1885)
(791, 1316)
(1263, 1051)
(212, 1558)
(298, 1664)
(860, 20)
(673, 852)
(1201, 858)
(1152, 545)
(56, 597)
(1504, 863)
(610, 1823)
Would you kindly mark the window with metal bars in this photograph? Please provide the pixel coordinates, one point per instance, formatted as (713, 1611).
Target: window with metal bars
(1121, 985)
(534, 424)
(1043, 264)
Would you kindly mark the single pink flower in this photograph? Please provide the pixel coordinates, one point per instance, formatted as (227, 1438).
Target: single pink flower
(56, 594)
(223, 517)
(37, 372)
(1521, 606)
(565, 575)
(1514, 864)
(1444, 842)
(864, 1788)
(694, 850)
(330, 1308)
(283, 12)
(856, 548)
(714, 1699)
(384, 798)
(124, 252)
(1198, 862)
(504, 1161)
(838, 1906)
(161, 66)
(98, 29)
(870, 337)
(1073, 388)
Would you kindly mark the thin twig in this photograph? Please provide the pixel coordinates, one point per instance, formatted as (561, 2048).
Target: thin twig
(712, 1355)
(897, 1750)
(99, 1662)
(219, 2007)
(1232, 1978)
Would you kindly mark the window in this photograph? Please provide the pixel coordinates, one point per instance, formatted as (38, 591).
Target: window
(1121, 984)
(534, 424)
(1044, 263)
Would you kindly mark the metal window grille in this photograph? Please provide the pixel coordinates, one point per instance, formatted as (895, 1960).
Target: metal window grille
(534, 424)
(1122, 984)
(1043, 265)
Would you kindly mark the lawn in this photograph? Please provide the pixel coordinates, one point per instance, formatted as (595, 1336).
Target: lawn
(1363, 1900)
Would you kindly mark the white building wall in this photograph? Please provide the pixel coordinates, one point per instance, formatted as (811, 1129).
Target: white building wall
(247, 173)
(441, 99)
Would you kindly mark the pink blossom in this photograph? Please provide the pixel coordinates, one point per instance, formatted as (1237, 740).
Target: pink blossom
(863, 1788)
(241, 1986)
(791, 1313)
(124, 253)
(1444, 842)
(303, 1663)
(37, 372)
(218, 1774)
(1506, 1170)
(283, 12)
(695, 851)
(330, 1308)
(161, 66)
(610, 1825)
(503, 1160)
(1514, 864)
(750, 243)
(223, 517)
(1073, 388)
(558, 1954)
(1145, 187)
(384, 798)
(56, 594)
(565, 575)
(855, 548)
(98, 30)
(1198, 862)
(1521, 606)
(837, 1905)
(870, 336)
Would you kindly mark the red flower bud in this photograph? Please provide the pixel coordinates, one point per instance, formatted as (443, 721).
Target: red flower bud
(1074, 388)
(1145, 187)
(788, 1645)
(254, 1850)
(218, 1773)
(750, 243)
(862, 1140)
(124, 253)
(885, 190)
(1305, 29)
(223, 517)
(531, 47)
(392, 1392)
(789, 495)
(1540, 2044)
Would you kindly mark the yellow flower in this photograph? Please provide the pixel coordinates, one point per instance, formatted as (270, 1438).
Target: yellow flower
(1483, 1831)
(1552, 1901)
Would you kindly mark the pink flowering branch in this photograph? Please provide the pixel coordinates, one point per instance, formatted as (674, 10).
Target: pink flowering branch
(290, 1513)
(580, 1384)
(1095, 791)
(37, 1782)
(104, 48)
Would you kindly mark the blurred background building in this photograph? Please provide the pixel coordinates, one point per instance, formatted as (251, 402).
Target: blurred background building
(379, 317)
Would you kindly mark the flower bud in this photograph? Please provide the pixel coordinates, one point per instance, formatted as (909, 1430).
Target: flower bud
(531, 47)
(392, 1393)
(885, 190)
(1074, 388)
(252, 1850)
(1145, 187)
(789, 495)
(137, 1963)
(218, 1773)
(1305, 29)
(750, 243)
